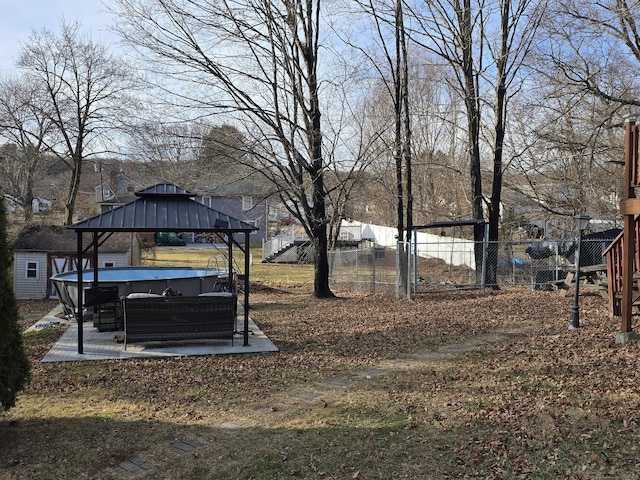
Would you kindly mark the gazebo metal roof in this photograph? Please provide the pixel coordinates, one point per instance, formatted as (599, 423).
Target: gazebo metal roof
(162, 207)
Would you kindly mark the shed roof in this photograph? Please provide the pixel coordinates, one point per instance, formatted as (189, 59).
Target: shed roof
(54, 238)
(163, 207)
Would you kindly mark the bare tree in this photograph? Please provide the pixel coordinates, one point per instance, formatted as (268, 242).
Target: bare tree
(393, 71)
(403, 137)
(438, 169)
(84, 91)
(169, 150)
(258, 61)
(568, 153)
(439, 166)
(583, 74)
(595, 49)
(486, 54)
(585, 68)
(26, 127)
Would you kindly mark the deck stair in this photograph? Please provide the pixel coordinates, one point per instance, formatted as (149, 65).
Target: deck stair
(295, 246)
(623, 262)
(613, 256)
(292, 246)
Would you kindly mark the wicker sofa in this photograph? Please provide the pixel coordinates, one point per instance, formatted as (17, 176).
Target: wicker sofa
(173, 318)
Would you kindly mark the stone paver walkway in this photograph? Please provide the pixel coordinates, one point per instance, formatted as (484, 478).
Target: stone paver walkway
(137, 465)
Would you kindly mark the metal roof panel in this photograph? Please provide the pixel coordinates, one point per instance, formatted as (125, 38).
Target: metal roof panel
(153, 212)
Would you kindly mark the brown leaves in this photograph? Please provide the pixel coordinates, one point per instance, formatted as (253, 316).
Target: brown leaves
(500, 373)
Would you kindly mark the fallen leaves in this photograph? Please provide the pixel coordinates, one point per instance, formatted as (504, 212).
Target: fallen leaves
(502, 368)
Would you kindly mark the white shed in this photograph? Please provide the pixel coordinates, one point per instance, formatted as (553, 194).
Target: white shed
(42, 251)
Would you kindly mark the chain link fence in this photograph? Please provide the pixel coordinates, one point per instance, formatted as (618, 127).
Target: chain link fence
(373, 269)
(462, 264)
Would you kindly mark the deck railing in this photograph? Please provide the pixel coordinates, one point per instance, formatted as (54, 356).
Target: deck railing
(283, 240)
(613, 256)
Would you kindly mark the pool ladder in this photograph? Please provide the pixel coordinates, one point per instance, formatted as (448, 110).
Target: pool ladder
(215, 260)
(220, 285)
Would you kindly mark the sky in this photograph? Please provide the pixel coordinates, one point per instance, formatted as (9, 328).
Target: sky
(19, 18)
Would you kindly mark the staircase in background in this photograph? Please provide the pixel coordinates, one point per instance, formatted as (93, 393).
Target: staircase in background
(291, 246)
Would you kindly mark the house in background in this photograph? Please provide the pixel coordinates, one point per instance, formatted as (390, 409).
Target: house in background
(116, 191)
(246, 199)
(38, 204)
(43, 251)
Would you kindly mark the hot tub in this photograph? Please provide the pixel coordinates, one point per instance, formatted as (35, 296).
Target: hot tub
(188, 281)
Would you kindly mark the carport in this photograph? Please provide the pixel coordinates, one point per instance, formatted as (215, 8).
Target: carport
(163, 207)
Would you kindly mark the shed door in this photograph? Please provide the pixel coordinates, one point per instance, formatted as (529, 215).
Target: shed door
(60, 264)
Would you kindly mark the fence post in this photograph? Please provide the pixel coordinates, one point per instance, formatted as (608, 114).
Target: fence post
(373, 269)
(357, 272)
(398, 269)
(409, 270)
(415, 261)
(484, 255)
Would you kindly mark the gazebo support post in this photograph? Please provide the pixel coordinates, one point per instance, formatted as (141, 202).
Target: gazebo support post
(80, 300)
(230, 259)
(95, 258)
(94, 238)
(246, 289)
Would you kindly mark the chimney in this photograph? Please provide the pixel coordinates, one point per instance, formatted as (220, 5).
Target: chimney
(113, 182)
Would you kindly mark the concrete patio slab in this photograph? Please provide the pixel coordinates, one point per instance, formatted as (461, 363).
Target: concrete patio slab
(108, 345)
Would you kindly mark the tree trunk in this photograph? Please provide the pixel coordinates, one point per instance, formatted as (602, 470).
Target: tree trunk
(406, 151)
(499, 112)
(74, 186)
(472, 100)
(400, 141)
(321, 272)
(496, 192)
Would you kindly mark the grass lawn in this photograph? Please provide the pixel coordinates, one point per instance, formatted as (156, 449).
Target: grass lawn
(456, 385)
(258, 271)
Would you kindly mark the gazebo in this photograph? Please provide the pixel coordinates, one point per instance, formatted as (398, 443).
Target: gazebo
(163, 207)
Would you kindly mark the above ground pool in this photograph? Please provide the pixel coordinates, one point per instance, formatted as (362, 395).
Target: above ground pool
(187, 281)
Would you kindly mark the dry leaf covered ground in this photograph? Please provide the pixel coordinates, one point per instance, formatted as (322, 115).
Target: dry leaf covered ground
(458, 385)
